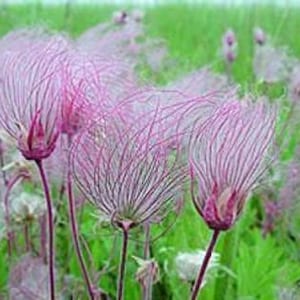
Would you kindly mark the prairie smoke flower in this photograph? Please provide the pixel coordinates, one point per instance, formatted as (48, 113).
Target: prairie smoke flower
(271, 64)
(30, 106)
(75, 109)
(188, 264)
(92, 86)
(229, 53)
(229, 46)
(227, 159)
(100, 71)
(30, 97)
(282, 204)
(126, 175)
(120, 17)
(84, 94)
(110, 41)
(259, 36)
(229, 37)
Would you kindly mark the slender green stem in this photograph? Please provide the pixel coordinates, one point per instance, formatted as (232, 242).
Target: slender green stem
(50, 229)
(147, 241)
(27, 237)
(203, 268)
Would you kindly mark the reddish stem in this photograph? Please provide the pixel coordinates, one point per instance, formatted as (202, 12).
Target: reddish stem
(203, 268)
(50, 229)
(10, 234)
(43, 238)
(122, 268)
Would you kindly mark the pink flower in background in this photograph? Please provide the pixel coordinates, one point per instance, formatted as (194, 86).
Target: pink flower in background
(113, 41)
(260, 37)
(229, 46)
(271, 64)
(229, 38)
(227, 157)
(281, 204)
(124, 39)
(30, 96)
(120, 17)
(201, 82)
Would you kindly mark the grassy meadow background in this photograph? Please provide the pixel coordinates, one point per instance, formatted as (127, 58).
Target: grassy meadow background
(253, 267)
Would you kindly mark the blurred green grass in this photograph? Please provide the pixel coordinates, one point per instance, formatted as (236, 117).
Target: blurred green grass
(193, 35)
(192, 32)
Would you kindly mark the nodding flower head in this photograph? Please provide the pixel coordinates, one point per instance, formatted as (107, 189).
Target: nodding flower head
(120, 17)
(227, 158)
(259, 36)
(74, 107)
(230, 54)
(90, 85)
(125, 172)
(33, 143)
(229, 46)
(30, 96)
(229, 38)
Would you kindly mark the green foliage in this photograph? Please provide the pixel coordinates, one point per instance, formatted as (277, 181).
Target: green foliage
(257, 266)
(193, 36)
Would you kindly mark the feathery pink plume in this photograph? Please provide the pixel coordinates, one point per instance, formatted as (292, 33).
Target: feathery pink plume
(124, 171)
(227, 159)
(30, 96)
